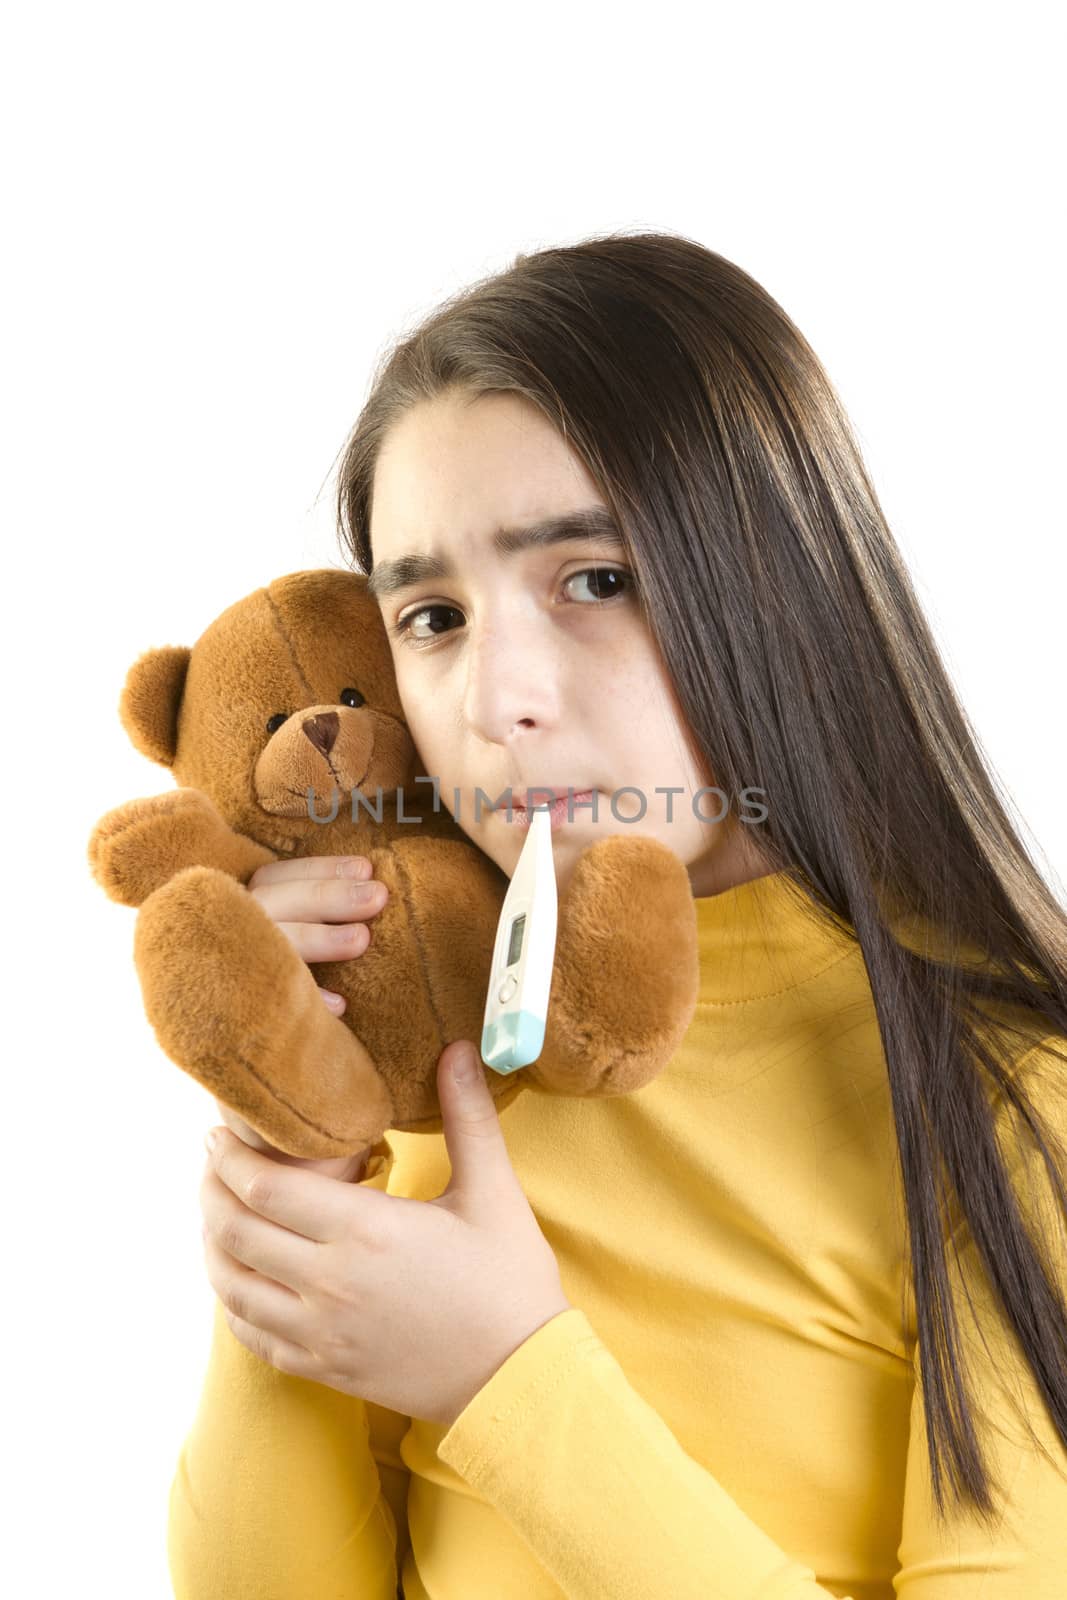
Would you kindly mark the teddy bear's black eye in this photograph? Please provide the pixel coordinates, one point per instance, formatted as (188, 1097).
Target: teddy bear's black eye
(276, 721)
(352, 697)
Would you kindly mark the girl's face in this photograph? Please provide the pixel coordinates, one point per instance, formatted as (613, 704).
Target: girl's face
(517, 665)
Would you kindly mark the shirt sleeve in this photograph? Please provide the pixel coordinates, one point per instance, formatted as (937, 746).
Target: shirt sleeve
(285, 1487)
(562, 1445)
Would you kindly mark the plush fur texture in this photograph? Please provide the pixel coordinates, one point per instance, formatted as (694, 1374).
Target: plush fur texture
(229, 997)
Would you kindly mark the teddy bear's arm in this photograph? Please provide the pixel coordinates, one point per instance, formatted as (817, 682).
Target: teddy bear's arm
(141, 845)
(626, 973)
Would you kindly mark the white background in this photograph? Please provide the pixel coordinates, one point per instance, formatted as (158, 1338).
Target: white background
(218, 217)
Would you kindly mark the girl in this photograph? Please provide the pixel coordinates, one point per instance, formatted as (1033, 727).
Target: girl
(790, 1320)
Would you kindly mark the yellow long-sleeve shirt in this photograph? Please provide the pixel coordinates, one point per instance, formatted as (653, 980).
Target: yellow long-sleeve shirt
(731, 1410)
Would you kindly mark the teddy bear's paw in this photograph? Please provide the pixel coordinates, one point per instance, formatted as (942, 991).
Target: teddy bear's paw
(233, 1004)
(140, 845)
(626, 973)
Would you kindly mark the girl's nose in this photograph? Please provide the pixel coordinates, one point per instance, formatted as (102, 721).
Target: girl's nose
(512, 681)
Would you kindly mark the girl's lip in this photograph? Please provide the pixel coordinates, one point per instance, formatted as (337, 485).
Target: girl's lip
(579, 809)
(541, 793)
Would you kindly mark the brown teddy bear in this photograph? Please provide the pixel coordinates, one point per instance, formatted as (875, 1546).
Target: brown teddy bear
(292, 689)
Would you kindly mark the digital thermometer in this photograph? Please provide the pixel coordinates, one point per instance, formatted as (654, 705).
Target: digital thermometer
(516, 1006)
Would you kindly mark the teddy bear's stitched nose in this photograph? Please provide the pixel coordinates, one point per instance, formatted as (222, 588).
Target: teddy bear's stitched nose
(322, 730)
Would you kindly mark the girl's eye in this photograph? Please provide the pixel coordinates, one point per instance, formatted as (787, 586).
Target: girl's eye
(610, 583)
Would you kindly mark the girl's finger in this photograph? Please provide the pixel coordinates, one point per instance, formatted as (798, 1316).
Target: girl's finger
(257, 1303)
(281, 1263)
(322, 900)
(336, 1002)
(326, 941)
(305, 867)
(281, 1354)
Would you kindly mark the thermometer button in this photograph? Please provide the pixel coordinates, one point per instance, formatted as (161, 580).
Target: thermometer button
(507, 989)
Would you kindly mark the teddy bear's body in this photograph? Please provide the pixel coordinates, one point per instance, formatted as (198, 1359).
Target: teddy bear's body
(292, 690)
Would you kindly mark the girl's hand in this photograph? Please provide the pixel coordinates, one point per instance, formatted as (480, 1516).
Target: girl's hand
(349, 1169)
(413, 1305)
(323, 905)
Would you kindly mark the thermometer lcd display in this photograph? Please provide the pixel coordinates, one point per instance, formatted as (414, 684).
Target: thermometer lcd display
(516, 939)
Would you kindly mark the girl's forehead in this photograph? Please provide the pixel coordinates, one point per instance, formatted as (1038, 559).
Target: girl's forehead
(444, 473)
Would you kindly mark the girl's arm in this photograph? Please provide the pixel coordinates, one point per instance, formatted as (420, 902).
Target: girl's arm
(277, 1493)
(564, 1447)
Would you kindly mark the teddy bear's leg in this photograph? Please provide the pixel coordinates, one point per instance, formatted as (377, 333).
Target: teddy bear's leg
(626, 973)
(421, 982)
(140, 845)
(233, 1004)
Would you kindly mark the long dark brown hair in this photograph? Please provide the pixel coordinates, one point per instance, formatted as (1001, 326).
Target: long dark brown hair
(804, 667)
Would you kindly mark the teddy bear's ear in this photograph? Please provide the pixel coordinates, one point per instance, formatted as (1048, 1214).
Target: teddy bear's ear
(151, 699)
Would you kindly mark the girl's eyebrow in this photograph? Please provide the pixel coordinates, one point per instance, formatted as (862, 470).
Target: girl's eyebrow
(591, 522)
